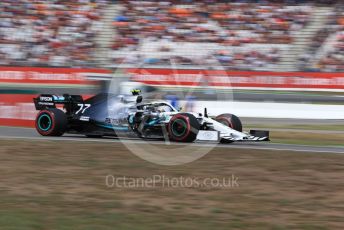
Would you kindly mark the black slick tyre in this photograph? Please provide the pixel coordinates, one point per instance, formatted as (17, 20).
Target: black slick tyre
(183, 127)
(51, 122)
(230, 120)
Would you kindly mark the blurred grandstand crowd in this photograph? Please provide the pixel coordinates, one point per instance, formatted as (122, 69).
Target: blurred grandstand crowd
(53, 33)
(250, 35)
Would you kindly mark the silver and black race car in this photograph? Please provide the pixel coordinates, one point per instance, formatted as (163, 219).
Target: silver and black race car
(131, 116)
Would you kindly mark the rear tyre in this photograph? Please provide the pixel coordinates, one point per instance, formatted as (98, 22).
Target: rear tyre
(183, 127)
(51, 122)
(230, 120)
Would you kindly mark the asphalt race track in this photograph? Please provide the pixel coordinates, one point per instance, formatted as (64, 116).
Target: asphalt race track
(31, 134)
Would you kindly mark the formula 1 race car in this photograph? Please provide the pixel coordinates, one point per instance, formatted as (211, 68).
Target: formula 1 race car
(131, 116)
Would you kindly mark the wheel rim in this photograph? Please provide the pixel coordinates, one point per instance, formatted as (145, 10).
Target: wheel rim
(179, 127)
(44, 122)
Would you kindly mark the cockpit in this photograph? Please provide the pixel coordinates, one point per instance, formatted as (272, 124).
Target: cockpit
(158, 107)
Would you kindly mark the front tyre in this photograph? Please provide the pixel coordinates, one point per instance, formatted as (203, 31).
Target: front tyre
(230, 120)
(183, 127)
(51, 122)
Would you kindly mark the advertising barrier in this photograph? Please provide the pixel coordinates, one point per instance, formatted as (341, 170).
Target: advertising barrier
(240, 79)
(36, 75)
(18, 109)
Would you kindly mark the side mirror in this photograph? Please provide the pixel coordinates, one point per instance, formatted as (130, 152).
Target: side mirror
(180, 109)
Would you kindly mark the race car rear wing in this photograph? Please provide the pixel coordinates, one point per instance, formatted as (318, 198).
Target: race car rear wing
(70, 102)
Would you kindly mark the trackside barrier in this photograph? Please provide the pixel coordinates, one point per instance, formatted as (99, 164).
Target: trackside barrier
(36, 75)
(240, 79)
(272, 110)
(18, 109)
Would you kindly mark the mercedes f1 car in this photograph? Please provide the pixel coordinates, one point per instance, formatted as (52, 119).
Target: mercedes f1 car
(131, 116)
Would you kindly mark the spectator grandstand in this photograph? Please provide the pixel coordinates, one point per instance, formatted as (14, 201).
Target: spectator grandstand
(326, 52)
(243, 31)
(239, 35)
(54, 33)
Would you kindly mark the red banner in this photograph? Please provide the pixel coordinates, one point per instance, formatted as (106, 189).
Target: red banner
(219, 78)
(26, 75)
(19, 109)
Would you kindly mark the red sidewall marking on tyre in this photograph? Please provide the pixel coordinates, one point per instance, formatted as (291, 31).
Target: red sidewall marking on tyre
(175, 117)
(52, 117)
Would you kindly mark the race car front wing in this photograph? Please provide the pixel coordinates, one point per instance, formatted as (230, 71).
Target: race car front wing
(216, 136)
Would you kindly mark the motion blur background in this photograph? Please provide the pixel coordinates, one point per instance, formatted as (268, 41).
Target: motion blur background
(278, 65)
(248, 51)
